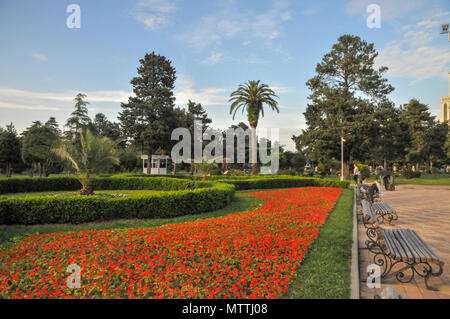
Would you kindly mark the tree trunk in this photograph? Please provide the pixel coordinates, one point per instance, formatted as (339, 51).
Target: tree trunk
(385, 163)
(254, 151)
(7, 170)
(346, 171)
(86, 190)
(174, 168)
(149, 164)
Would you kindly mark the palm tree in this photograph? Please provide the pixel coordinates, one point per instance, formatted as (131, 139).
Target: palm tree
(205, 168)
(96, 154)
(252, 96)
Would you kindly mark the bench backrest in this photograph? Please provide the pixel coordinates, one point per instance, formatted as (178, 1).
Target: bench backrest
(368, 213)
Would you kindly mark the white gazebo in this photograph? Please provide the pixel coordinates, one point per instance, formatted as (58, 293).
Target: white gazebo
(158, 164)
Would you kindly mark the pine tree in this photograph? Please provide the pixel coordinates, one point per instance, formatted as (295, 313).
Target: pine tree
(342, 102)
(79, 119)
(9, 148)
(149, 117)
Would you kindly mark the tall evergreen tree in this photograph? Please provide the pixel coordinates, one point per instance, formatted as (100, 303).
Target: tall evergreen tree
(38, 140)
(149, 117)
(343, 91)
(53, 125)
(9, 148)
(78, 120)
(417, 116)
(104, 127)
(390, 135)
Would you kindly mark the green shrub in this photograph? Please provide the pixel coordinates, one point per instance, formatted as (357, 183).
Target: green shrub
(408, 174)
(81, 209)
(38, 184)
(364, 172)
(283, 182)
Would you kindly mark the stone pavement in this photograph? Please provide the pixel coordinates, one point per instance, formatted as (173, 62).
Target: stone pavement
(426, 209)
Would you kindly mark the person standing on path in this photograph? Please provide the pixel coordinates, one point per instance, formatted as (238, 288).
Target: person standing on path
(356, 173)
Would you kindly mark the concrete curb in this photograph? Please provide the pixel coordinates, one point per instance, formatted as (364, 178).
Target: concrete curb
(354, 277)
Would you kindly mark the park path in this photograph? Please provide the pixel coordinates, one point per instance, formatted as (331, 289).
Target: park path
(426, 209)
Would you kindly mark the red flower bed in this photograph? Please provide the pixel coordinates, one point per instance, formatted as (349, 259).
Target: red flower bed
(243, 255)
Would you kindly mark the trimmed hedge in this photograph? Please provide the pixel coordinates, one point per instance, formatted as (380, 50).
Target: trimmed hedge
(67, 183)
(283, 182)
(38, 184)
(81, 209)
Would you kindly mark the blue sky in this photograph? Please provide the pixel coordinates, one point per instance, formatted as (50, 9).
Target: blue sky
(214, 46)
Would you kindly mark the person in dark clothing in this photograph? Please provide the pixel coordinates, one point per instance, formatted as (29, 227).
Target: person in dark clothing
(372, 188)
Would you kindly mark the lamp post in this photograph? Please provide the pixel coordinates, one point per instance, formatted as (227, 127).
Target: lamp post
(342, 158)
(445, 30)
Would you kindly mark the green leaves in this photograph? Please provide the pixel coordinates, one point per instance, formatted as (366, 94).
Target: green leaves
(252, 96)
(96, 154)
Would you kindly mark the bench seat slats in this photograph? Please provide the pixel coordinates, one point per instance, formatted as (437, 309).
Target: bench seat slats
(383, 207)
(392, 248)
(432, 256)
(407, 247)
(419, 252)
(368, 213)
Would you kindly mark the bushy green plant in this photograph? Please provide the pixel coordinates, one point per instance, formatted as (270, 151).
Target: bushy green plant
(38, 184)
(96, 154)
(408, 174)
(283, 182)
(364, 171)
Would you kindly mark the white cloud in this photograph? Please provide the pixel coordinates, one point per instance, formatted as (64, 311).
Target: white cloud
(390, 9)
(230, 24)
(213, 59)
(5, 105)
(414, 56)
(39, 57)
(154, 14)
(116, 96)
(185, 90)
(280, 89)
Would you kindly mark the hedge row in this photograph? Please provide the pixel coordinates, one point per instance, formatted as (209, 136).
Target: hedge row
(81, 209)
(67, 183)
(37, 184)
(283, 182)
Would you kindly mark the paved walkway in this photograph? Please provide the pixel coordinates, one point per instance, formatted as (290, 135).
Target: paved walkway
(426, 209)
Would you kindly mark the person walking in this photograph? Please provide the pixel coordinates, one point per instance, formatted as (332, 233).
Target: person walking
(356, 173)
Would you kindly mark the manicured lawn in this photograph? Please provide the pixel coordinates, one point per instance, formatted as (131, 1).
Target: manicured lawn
(425, 179)
(241, 203)
(325, 271)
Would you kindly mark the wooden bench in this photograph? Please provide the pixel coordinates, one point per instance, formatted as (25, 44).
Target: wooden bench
(403, 247)
(385, 212)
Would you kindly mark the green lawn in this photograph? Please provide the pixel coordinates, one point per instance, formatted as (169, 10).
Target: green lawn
(325, 270)
(242, 202)
(425, 179)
